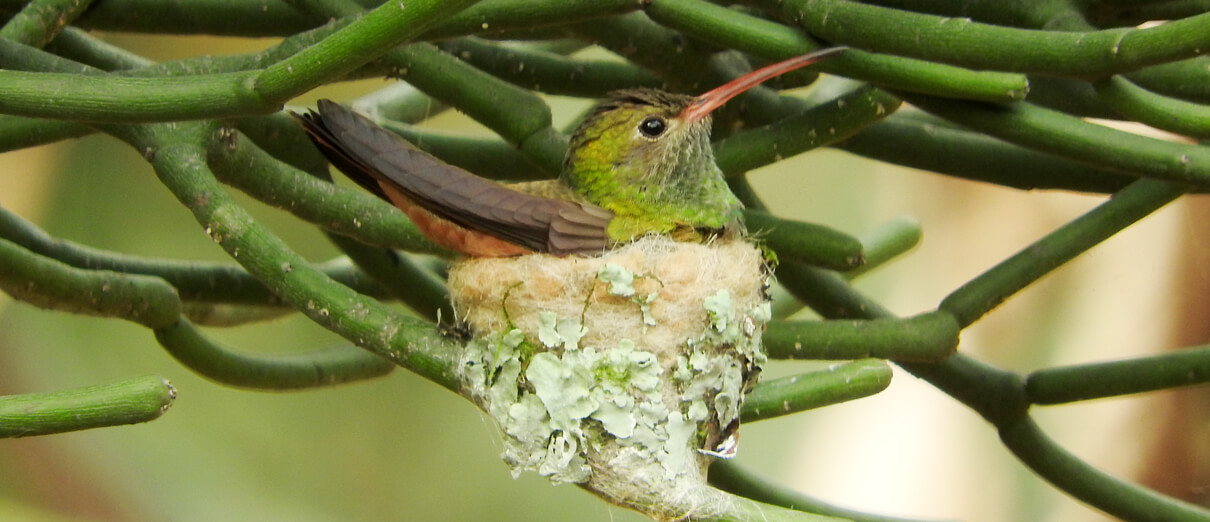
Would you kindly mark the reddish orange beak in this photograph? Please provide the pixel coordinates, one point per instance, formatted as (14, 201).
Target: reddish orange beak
(714, 99)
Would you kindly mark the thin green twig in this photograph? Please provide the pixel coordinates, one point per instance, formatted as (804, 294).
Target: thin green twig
(1051, 131)
(41, 20)
(48, 283)
(1108, 379)
(128, 402)
(729, 476)
(959, 41)
(983, 293)
(775, 41)
(840, 383)
(926, 337)
(335, 365)
(806, 242)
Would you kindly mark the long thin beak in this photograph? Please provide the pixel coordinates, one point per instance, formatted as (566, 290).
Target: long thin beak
(709, 101)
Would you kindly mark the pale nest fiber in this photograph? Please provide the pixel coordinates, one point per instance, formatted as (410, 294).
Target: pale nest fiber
(682, 274)
(623, 373)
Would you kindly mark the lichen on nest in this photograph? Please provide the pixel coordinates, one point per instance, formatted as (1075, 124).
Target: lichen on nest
(623, 372)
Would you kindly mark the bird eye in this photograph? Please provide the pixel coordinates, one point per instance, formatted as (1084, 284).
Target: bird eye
(653, 126)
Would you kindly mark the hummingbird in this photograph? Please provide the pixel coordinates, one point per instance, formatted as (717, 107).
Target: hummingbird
(640, 163)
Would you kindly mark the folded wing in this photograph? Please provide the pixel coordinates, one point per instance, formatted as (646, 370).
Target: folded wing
(387, 165)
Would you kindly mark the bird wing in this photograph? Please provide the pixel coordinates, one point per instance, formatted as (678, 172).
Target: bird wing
(376, 158)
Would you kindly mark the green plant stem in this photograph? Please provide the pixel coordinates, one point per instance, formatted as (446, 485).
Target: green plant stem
(153, 303)
(548, 72)
(915, 139)
(415, 287)
(211, 17)
(75, 44)
(926, 337)
(840, 383)
(225, 315)
(40, 20)
(1000, 398)
(823, 124)
(1161, 112)
(400, 102)
(500, 16)
(1071, 96)
(21, 57)
(724, 507)
(128, 99)
(352, 46)
(140, 99)
(1042, 129)
(887, 242)
(828, 293)
(19, 132)
(258, 19)
(335, 365)
(1108, 379)
(729, 476)
(806, 242)
(983, 293)
(961, 42)
(128, 402)
(193, 280)
(178, 152)
(512, 112)
(775, 41)
(1186, 79)
(881, 245)
(1117, 498)
(51, 284)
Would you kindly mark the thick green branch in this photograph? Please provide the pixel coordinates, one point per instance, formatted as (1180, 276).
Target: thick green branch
(178, 151)
(1043, 129)
(820, 125)
(19, 132)
(499, 16)
(961, 42)
(352, 46)
(127, 402)
(336, 365)
(513, 112)
(927, 337)
(774, 41)
(48, 283)
(840, 383)
(1152, 109)
(1118, 498)
(1107, 379)
(548, 72)
(806, 242)
(729, 476)
(193, 280)
(40, 20)
(398, 274)
(140, 99)
(915, 139)
(983, 293)
(887, 242)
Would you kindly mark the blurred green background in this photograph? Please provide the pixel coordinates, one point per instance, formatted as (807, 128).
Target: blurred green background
(400, 448)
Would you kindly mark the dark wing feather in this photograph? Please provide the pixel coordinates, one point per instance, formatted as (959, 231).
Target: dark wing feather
(371, 155)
